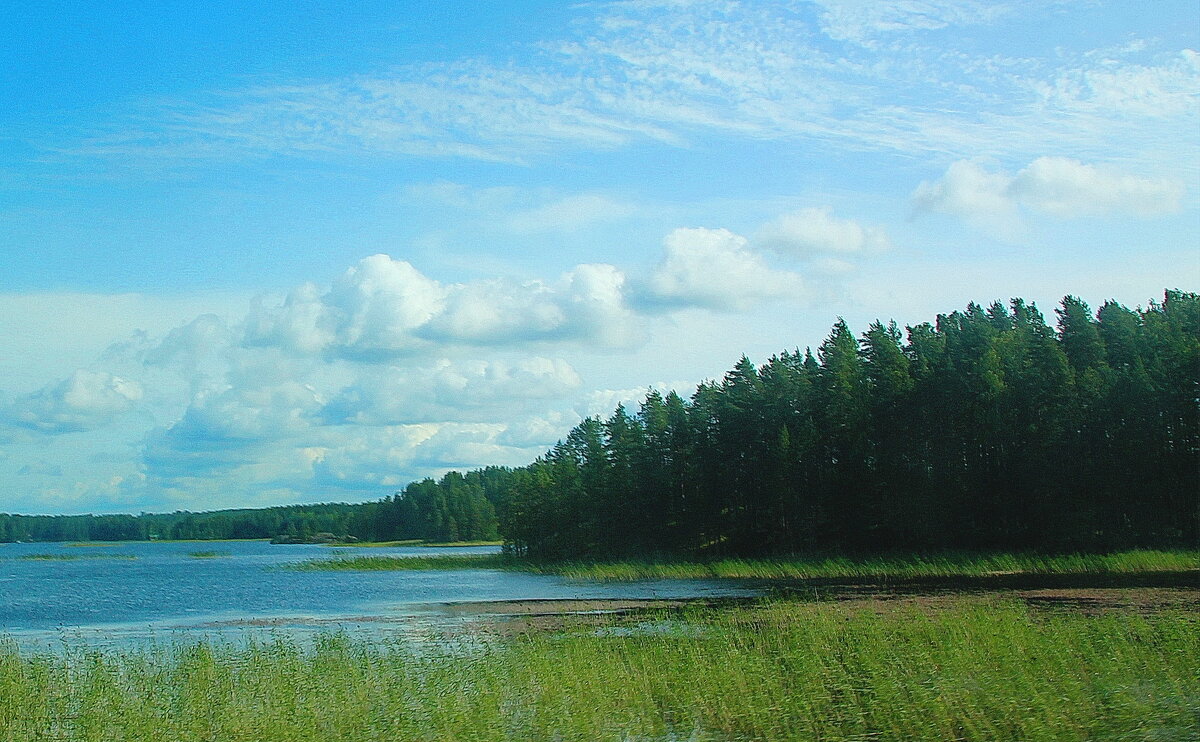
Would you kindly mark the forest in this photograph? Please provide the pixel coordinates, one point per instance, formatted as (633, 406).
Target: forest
(985, 429)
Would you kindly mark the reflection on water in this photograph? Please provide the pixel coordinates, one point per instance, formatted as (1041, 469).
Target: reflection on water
(161, 592)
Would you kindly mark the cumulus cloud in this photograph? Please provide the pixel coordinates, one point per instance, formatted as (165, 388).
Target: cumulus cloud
(383, 308)
(248, 414)
(714, 268)
(199, 342)
(85, 400)
(814, 231)
(391, 457)
(1068, 188)
(538, 432)
(1057, 186)
(446, 390)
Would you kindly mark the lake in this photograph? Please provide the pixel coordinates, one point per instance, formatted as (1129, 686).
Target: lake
(131, 592)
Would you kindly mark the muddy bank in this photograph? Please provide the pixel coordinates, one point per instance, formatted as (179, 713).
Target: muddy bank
(508, 618)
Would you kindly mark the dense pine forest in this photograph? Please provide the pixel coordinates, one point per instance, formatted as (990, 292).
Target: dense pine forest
(985, 429)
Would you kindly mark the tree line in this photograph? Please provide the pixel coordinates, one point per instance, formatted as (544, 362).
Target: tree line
(984, 429)
(458, 507)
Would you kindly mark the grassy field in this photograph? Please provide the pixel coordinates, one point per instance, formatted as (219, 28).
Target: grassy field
(880, 568)
(969, 669)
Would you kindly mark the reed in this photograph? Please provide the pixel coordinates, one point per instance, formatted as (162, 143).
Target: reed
(869, 568)
(780, 670)
(54, 557)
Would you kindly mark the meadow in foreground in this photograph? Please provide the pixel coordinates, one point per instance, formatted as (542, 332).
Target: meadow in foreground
(968, 669)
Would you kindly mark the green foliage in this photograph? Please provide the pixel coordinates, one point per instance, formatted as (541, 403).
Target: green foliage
(969, 670)
(389, 563)
(986, 429)
(873, 569)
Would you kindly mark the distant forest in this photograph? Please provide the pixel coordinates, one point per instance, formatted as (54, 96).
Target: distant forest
(985, 429)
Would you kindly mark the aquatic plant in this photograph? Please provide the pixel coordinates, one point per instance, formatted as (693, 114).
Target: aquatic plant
(774, 671)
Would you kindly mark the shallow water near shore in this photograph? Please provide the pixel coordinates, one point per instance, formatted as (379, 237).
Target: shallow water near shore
(128, 593)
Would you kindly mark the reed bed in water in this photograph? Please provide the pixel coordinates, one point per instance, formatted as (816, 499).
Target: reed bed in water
(776, 671)
(53, 557)
(891, 567)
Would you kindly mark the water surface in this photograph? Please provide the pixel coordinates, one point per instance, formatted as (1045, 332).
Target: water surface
(134, 591)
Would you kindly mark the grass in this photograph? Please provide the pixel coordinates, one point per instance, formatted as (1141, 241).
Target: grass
(780, 670)
(52, 557)
(880, 568)
(419, 542)
(161, 541)
(377, 544)
(377, 563)
(208, 554)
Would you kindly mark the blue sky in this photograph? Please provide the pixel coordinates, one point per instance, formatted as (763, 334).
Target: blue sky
(264, 253)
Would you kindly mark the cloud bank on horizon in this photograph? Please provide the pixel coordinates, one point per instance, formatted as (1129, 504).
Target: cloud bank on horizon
(320, 280)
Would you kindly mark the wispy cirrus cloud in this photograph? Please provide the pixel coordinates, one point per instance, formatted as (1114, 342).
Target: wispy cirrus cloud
(634, 73)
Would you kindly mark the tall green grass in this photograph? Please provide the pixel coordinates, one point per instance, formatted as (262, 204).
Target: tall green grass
(375, 563)
(893, 567)
(55, 557)
(781, 671)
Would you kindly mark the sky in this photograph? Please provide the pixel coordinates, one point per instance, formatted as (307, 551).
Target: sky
(262, 253)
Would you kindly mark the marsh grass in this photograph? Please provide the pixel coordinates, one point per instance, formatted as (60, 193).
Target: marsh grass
(53, 557)
(376, 563)
(779, 670)
(377, 544)
(418, 542)
(872, 568)
(208, 554)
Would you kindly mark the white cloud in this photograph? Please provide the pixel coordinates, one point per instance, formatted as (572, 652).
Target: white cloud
(538, 432)
(1056, 186)
(201, 341)
(714, 268)
(498, 311)
(373, 459)
(1068, 188)
(86, 400)
(570, 214)
(864, 21)
(376, 305)
(969, 191)
(812, 231)
(384, 308)
(58, 332)
(1107, 86)
(635, 74)
(252, 413)
(449, 391)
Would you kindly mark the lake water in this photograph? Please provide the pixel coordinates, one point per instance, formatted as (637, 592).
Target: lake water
(129, 592)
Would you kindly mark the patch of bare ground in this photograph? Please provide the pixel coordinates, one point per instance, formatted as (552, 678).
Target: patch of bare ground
(509, 618)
